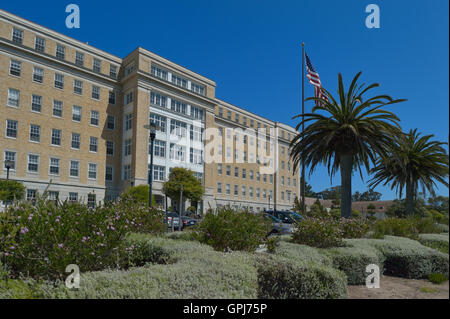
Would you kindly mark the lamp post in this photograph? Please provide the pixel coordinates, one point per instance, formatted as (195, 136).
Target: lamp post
(8, 165)
(269, 201)
(152, 128)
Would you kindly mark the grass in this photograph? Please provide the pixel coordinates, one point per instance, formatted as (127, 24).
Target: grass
(429, 290)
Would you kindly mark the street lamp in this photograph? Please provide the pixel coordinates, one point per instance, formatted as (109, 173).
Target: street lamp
(152, 128)
(269, 201)
(8, 165)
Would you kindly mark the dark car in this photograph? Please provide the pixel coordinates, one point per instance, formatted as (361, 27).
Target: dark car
(176, 220)
(285, 217)
(188, 222)
(278, 227)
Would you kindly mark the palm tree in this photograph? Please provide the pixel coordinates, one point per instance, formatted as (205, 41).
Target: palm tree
(412, 160)
(347, 134)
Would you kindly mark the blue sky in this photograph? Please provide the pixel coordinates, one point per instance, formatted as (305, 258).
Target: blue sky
(252, 49)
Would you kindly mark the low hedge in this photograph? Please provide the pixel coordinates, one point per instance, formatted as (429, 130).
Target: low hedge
(302, 254)
(409, 259)
(436, 241)
(354, 259)
(282, 278)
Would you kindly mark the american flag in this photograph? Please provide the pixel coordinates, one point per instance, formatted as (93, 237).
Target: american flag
(314, 79)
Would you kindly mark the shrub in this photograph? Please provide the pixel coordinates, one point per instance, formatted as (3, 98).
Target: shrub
(281, 278)
(409, 259)
(16, 289)
(232, 230)
(442, 227)
(356, 214)
(11, 190)
(437, 278)
(353, 228)
(272, 243)
(396, 227)
(42, 241)
(302, 254)
(354, 259)
(318, 232)
(436, 241)
(139, 194)
(426, 226)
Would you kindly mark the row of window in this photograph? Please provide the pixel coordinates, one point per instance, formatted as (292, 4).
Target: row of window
(60, 53)
(54, 196)
(157, 99)
(243, 174)
(178, 80)
(177, 128)
(33, 166)
(250, 191)
(12, 128)
(15, 69)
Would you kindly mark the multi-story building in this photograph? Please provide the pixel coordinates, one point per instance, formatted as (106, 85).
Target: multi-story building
(72, 120)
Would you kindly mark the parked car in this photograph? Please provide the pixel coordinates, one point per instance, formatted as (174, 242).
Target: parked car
(278, 227)
(176, 220)
(188, 222)
(285, 217)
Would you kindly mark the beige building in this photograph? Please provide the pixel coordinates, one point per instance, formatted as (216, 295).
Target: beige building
(72, 120)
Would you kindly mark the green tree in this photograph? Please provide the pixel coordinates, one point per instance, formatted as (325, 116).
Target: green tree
(412, 161)
(11, 190)
(308, 190)
(298, 205)
(439, 203)
(371, 210)
(192, 186)
(368, 196)
(139, 194)
(345, 134)
(317, 210)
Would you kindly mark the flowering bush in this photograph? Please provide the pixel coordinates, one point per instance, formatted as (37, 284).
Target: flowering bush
(232, 230)
(318, 232)
(42, 241)
(353, 228)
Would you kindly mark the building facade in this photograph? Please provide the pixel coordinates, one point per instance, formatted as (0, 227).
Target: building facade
(72, 121)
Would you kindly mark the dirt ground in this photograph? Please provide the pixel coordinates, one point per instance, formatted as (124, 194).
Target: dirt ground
(400, 288)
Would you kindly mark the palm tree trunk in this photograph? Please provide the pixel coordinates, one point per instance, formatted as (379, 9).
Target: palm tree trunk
(409, 198)
(346, 185)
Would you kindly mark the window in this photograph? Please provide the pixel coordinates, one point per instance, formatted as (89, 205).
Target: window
(158, 99)
(38, 75)
(53, 196)
(177, 152)
(74, 168)
(56, 137)
(250, 192)
(158, 72)
(178, 80)
(178, 106)
(92, 201)
(282, 196)
(271, 178)
(265, 178)
(39, 44)
(220, 112)
(289, 181)
(33, 163)
(258, 176)
(159, 148)
(289, 166)
(127, 148)
(36, 103)
(31, 195)
(197, 113)
(15, 68)
(79, 59)
(229, 115)
(197, 88)
(282, 180)
(219, 169)
(129, 98)
(295, 182)
(159, 121)
(178, 128)
(196, 133)
(282, 165)
(244, 191)
(228, 189)
(252, 124)
(237, 118)
(244, 121)
(59, 81)
(251, 175)
(264, 193)
(244, 173)
(10, 156)
(54, 166)
(111, 122)
(110, 148)
(78, 87)
(73, 197)
(76, 141)
(60, 52)
(127, 172)
(11, 128)
(57, 108)
(93, 144)
(97, 65)
(109, 174)
(228, 170)
(35, 133)
(112, 98)
(159, 173)
(236, 190)
(219, 149)
(128, 122)
(236, 172)
(129, 69)
(17, 36)
(13, 97)
(196, 156)
(219, 188)
(92, 171)
(113, 71)
(76, 113)
(95, 118)
(95, 92)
